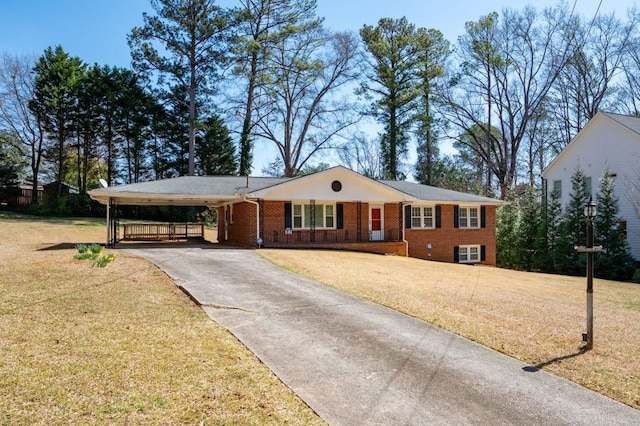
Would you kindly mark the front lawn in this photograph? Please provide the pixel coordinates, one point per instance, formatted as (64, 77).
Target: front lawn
(119, 344)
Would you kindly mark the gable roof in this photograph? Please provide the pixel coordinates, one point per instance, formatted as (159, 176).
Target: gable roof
(629, 122)
(219, 190)
(352, 186)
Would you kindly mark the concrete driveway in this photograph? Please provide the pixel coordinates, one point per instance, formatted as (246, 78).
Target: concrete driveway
(357, 363)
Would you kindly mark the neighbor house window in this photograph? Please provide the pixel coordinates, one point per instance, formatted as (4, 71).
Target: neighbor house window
(623, 229)
(469, 217)
(467, 254)
(318, 215)
(587, 185)
(422, 217)
(557, 186)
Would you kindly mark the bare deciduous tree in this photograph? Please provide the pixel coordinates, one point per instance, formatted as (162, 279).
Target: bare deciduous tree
(302, 113)
(16, 90)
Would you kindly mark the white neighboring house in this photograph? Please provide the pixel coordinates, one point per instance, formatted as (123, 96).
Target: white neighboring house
(607, 141)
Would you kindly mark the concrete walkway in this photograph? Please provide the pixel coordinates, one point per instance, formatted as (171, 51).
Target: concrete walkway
(357, 363)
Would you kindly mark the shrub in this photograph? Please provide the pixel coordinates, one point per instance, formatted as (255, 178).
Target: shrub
(94, 253)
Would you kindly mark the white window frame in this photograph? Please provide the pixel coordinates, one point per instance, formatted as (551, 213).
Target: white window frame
(299, 210)
(423, 216)
(588, 186)
(557, 186)
(464, 213)
(469, 254)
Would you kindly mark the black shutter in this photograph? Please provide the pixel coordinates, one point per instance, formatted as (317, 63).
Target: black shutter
(483, 217)
(455, 216)
(407, 217)
(456, 254)
(339, 216)
(287, 215)
(483, 253)
(438, 217)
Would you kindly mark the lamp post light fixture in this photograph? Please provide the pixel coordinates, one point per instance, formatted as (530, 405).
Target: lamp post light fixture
(590, 211)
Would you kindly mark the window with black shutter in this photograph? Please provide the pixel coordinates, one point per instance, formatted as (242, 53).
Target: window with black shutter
(339, 216)
(407, 217)
(287, 216)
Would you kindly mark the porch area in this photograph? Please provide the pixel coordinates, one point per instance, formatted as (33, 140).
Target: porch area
(343, 239)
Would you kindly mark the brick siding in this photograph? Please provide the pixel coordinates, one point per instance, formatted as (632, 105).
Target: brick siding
(445, 238)
(242, 232)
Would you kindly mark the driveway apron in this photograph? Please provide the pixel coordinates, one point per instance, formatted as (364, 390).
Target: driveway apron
(357, 363)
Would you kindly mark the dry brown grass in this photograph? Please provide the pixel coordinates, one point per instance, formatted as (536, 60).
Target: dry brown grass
(117, 345)
(536, 318)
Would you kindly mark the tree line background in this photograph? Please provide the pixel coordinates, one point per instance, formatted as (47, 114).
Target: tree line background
(207, 85)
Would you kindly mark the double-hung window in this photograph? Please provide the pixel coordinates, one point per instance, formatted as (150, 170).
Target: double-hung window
(468, 254)
(422, 217)
(469, 217)
(307, 216)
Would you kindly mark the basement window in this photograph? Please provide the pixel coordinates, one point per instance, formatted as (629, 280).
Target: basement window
(469, 254)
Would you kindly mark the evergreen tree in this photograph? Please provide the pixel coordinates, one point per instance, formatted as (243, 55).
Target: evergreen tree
(573, 230)
(527, 232)
(9, 165)
(185, 44)
(549, 227)
(433, 51)
(392, 76)
(615, 262)
(215, 151)
(58, 77)
(508, 218)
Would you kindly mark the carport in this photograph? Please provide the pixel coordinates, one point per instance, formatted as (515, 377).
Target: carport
(185, 191)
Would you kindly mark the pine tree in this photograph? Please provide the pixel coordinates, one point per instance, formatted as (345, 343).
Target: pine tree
(573, 231)
(615, 262)
(507, 226)
(58, 77)
(527, 232)
(215, 151)
(549, 227)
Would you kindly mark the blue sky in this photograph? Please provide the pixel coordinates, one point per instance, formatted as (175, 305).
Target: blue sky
(96, 30)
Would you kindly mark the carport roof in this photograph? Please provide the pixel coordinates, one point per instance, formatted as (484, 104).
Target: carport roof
(185, 190)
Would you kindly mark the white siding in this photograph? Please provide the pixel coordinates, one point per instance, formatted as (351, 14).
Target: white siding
(603, 143)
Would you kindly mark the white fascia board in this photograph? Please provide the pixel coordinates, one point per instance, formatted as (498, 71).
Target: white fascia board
(147, 199)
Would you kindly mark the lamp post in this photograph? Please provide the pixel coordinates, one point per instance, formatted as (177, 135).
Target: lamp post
(590, 211)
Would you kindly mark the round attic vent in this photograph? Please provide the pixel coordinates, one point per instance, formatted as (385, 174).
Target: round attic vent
(336, 185)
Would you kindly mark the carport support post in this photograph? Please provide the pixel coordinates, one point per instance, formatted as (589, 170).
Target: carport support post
(108, 223)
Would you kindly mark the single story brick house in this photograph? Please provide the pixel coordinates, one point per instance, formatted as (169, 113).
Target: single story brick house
(335, 208)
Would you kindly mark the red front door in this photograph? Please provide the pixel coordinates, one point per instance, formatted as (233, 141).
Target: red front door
(375, 226)
(376, 220)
